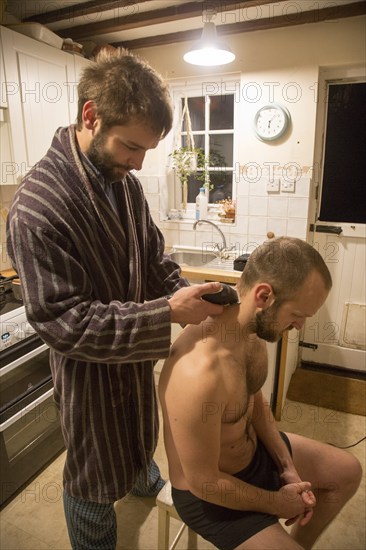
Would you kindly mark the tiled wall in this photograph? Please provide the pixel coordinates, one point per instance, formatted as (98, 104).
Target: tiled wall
(257, 213)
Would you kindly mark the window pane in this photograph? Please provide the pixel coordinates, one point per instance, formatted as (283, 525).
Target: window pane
(196, 107)
(221, 146)
(213, 128)
(221, 182)
(221, 112)
(199, 141)
(343, 192)
(222, 186)
(193, 188)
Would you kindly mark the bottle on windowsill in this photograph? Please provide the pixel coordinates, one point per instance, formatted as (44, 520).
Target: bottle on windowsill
(201, 205)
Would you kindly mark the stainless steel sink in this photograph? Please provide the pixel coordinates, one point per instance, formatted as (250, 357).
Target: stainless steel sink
(193, 258)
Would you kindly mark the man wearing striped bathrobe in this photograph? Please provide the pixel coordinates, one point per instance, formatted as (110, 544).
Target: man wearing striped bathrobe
(99, 290)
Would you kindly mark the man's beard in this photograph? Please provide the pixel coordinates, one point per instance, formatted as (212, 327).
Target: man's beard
(102, 160)
(265, 324)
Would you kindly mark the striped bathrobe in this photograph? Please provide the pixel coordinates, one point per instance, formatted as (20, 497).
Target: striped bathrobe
(94, 283)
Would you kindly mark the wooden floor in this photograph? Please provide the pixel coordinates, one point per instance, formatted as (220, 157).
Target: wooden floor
(340, 393)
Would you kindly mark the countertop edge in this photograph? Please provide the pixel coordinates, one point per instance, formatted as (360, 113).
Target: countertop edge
(200, 273)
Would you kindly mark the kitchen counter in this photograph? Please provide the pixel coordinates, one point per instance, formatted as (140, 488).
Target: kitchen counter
(8, 273)
(191, 273)
(210, 274)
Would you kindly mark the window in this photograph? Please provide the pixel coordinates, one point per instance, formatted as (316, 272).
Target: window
(343, 189)
(212, 119)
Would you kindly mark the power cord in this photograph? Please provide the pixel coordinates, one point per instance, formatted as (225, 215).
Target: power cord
(348, 446)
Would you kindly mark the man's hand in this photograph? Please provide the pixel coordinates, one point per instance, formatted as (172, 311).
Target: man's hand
(290, 476)
(188, 307)
(295, 501)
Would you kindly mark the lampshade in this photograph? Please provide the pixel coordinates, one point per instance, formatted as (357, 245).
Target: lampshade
(209, 51)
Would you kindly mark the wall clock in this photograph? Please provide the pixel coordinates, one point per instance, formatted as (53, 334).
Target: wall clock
(271, 122)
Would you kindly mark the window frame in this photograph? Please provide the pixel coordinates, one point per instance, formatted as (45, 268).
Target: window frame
(209, 86)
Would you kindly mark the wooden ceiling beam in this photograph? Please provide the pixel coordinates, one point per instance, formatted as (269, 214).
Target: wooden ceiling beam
(81, 10)
(303, 18)
(99, 6)
(154, 17)
(180, 12)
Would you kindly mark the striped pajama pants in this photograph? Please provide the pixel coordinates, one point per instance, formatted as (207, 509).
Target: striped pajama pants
(93, 526)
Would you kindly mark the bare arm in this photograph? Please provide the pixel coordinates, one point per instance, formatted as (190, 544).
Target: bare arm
(266, 429)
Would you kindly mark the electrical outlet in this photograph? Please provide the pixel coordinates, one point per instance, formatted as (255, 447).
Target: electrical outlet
(273, 186)
(288, 186)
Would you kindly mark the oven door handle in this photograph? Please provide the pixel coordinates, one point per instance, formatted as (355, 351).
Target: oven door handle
(17, 416)
(23, 359)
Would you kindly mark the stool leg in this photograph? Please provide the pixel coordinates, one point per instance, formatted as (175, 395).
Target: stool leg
(192, 539)
(163, 529)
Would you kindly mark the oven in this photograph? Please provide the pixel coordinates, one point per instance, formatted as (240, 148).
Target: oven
(30, 432)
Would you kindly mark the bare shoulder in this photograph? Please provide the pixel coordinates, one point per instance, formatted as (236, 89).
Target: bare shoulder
(194, 364)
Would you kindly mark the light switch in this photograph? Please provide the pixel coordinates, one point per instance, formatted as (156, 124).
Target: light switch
(288, 186)
(273, 186)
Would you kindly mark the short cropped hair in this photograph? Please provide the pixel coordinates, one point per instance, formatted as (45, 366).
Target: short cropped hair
(125, 88)
(284, 263)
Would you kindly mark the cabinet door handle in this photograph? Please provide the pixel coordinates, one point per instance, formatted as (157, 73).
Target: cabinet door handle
(26, 410)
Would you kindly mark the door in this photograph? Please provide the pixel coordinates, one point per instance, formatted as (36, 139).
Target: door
(336, 335)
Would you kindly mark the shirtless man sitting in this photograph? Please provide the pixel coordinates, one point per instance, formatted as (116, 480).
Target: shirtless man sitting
(233, 474)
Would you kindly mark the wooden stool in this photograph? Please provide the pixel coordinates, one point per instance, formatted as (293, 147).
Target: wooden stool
(166, 510)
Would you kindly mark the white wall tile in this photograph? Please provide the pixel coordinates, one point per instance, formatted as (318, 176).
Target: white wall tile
(187, 238)
(258, 188)
(144, 181)
(153, 201)
(303, 187)
(278, 226)
(257, 225)
(171, 236)
(242, 205)
(297, 227)
(297, 207)
(242, 224)
(258, 206)
(277, 207)
(153, 184)
(242, 188)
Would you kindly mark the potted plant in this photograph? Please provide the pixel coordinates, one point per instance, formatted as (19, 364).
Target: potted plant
(227, 213)
(186, 160)
(192, 160)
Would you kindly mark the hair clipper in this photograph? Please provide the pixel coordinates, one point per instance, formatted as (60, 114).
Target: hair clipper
(227, 296)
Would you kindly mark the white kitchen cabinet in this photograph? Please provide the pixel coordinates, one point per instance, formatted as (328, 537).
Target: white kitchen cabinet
(3, 95)
(80, 63)
(40, 85)
(6, 154)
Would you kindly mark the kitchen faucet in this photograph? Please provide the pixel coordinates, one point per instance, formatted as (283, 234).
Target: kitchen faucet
(220, 247)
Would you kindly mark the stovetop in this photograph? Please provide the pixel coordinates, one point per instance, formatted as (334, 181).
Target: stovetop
(14, 326)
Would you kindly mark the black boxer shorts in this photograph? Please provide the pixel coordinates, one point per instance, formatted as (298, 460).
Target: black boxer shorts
(224, 527)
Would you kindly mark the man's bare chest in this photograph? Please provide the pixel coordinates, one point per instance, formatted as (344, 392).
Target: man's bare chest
(248, 374)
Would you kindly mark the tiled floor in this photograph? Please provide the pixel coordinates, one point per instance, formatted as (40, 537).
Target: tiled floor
(34, 520)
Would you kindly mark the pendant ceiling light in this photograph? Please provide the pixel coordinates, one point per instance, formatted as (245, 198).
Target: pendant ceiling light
(209, 51)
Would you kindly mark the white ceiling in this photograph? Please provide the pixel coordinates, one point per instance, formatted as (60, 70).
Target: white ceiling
(145, 23)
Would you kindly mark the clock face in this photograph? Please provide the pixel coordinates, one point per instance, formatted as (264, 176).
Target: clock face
(271, 122)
